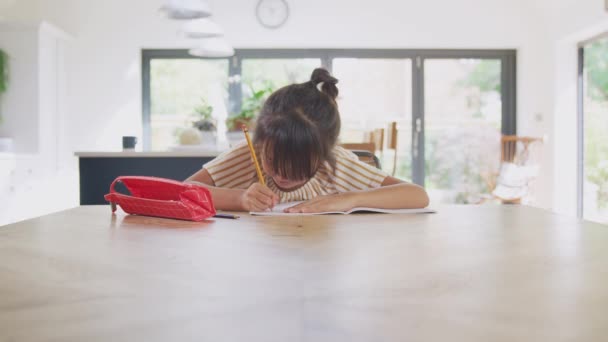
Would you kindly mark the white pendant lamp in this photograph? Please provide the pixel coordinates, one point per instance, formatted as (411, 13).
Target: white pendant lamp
(186, 9)
(201, 28)
(212, 47)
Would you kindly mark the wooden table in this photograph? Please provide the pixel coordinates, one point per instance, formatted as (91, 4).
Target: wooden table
(492, 273)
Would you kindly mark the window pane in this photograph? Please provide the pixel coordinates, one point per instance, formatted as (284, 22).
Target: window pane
(373, 93)
(177, 86)
(273, 73)
(595, 186)
(463, 113)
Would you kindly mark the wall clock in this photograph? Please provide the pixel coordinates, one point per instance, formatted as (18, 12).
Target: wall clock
(272, 14)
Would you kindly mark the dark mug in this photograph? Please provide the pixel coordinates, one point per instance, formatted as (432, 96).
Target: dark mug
(129, 142)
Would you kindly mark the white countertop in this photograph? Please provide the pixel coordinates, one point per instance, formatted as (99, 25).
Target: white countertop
(7, 155)
(192, 153)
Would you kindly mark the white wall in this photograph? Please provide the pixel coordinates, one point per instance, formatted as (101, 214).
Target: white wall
(31, 179)
(105, 82)
(19, 105)
(572, 22)
(104, 59)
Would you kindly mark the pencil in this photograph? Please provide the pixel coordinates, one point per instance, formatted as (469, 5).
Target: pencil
(228, 216)
(255, 159)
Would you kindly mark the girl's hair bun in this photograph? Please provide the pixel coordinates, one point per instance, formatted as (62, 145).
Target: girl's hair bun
(326, 83)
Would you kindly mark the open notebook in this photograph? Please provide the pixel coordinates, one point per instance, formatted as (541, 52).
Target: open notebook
(278, 211)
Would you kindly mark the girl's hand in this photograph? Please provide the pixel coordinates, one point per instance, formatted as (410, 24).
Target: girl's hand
(336, 202)
(258, 197)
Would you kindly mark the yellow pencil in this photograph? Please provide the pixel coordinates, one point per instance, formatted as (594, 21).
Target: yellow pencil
(255, 159)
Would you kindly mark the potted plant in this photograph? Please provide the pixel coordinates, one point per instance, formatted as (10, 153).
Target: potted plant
(249, 110)
(205, 123)
(3, 72)
(204, 128)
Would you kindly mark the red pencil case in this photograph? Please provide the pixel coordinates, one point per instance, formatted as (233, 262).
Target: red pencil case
(152, 196)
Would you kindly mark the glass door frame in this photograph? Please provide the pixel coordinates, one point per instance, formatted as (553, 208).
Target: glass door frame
(417, 56)
(147, 55)
(508, 81)
(580, 129)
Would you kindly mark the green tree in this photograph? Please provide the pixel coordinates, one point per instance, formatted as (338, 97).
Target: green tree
(485, 76)
(596, 120)
(596, 67)
(3, 74)
(482, 79)
(3, 71)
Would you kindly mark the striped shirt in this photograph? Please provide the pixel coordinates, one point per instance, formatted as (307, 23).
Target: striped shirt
(234, 169)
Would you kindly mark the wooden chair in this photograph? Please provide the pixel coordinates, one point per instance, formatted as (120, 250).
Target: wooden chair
(368, 157)
(366, 146)
(365, 152)
(518, 167)
(514, 149)
(373, 143)
(391, 143)
(377, 138)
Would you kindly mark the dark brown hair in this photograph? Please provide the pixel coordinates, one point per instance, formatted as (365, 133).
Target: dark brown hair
(298, 126)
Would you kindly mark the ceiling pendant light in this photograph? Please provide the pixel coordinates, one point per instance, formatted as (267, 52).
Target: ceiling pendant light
(201, 28)
(212, 47)
(186, 9)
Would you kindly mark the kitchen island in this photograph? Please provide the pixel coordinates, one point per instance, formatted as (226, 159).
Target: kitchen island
(98, 169)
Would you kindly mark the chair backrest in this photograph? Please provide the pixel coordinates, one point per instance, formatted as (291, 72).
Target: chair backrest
(391, 138)
(391, 143)
(366, 146)
(519, 167)
(517, 150)
(368, 157)
(374, 142)
(376, 137)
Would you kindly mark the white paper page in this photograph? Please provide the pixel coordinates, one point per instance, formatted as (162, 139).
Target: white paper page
(282, 206)
(393, 211)
(278, 211)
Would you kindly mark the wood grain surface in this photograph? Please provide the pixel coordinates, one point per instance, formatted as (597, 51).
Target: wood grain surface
(490, 273)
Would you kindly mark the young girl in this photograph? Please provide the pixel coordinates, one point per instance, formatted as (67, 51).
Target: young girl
(295, 142)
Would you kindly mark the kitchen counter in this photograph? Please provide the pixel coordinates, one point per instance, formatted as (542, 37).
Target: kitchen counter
(97, 170)
(148, 154)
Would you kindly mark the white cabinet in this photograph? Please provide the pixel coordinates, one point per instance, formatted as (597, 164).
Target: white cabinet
(32, 181)
(33, 106)
(28, 190)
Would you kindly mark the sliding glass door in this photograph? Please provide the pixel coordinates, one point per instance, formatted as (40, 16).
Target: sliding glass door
(276, 72)
(373, 93)
(177, 87)
(593, 115)
(450, 106)
(462, 127)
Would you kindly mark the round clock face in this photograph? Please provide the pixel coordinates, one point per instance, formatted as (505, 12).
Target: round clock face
(272, 13)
